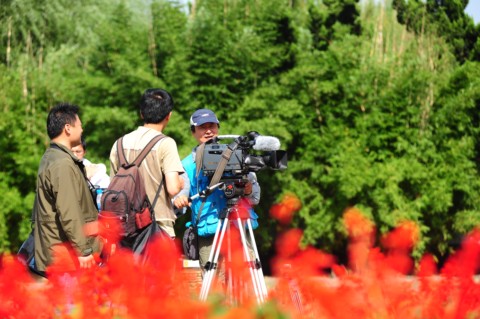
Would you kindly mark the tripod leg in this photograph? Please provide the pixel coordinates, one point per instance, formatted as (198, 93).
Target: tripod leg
(255, 279)
(296, 295)
(229, 272)
(212, 259)
(294, 289)
(258, 265)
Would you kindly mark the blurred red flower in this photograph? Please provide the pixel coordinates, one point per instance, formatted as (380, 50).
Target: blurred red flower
(373, 287)
(405, 236)
(288, 243)
(283, 212)
(357, 225)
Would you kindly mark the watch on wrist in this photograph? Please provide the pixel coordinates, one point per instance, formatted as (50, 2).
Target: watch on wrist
(87, 252)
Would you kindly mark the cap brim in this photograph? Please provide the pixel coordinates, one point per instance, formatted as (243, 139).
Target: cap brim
(202, 121)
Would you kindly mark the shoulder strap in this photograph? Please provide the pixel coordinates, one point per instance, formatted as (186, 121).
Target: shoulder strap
(227, 153)
(199, 158)
(198, 165)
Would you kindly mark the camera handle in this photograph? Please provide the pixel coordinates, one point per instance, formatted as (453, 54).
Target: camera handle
(206, 192)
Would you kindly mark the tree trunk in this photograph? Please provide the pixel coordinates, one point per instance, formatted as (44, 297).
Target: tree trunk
(9, 36)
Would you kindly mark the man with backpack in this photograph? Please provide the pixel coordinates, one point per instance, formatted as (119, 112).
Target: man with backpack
(161, 167)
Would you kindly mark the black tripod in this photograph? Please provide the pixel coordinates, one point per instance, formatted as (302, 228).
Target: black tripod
(229, 215)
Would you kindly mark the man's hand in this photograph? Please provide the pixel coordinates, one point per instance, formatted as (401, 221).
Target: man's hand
(86, 261)
(181, 201)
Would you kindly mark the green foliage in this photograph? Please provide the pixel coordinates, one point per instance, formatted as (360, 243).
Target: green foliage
(446, 18)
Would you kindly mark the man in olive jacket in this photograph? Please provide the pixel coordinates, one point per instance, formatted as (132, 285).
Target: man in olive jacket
(63, 202)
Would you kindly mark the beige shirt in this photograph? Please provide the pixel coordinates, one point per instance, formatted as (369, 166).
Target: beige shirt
(163, 158)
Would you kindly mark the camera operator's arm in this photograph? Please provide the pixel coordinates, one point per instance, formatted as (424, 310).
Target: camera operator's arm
(252, 189)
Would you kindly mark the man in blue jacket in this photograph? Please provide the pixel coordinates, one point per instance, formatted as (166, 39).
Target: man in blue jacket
(204, 126)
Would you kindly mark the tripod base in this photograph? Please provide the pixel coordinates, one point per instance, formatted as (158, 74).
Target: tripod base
(239, 258)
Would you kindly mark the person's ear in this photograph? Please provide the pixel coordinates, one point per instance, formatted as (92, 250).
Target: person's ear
(67, 129)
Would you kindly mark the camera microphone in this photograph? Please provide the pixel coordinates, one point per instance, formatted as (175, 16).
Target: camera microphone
(266, 143)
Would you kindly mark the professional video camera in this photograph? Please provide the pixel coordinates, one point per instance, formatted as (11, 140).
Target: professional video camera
(242, 161)
(227, 166)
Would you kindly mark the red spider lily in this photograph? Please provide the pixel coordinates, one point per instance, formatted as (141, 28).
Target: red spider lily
(398, 244)
(400, 261)
(405, 236)
(109, 230)
(292, 202)
(465, 262)
(357, 225)
(64, 259)
(373, 286)
(427, 266)
(361, 232)
(242, 209)
(288, 243)
(283, 212)
(235, 266)
(19, 294)
(238, 313)
(312, 262)
(339, 270)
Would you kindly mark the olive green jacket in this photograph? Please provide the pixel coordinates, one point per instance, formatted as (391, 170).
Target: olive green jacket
(63, 205)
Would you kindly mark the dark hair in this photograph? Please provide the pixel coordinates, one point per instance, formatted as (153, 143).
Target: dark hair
(155, 105)
(59, 116)
(84, 143)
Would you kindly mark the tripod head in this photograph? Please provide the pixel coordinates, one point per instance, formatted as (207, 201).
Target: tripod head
(233, 187)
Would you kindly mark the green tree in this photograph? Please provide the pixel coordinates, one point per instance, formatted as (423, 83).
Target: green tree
(445, 18)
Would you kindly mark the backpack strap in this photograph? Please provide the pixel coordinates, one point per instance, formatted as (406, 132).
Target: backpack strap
(122, 160)
(147, 149)
(158, 192)
(137, 161)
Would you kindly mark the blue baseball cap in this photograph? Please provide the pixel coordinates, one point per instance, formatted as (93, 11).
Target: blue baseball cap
(203, 116)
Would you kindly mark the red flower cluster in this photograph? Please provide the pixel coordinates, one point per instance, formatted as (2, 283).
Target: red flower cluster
(309, 282)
